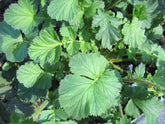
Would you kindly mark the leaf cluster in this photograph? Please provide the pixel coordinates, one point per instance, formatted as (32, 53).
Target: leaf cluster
(89, 60)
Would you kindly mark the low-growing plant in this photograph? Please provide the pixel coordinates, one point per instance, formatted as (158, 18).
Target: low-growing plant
(86, 61)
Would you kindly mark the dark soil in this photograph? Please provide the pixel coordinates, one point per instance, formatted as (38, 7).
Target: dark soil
(4, 4)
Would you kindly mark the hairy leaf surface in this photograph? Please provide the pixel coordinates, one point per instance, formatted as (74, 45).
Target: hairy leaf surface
(109, 32)
(22, 15)
(46, 47)
(133, 34)
(89, 86)
(63, 10)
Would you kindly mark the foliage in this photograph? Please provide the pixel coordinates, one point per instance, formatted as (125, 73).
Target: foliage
(88, 60)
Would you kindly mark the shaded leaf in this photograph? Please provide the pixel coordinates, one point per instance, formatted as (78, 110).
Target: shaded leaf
(12, 43)
(28, 95)
(94, 5)
(131, 109)
(159, 77)
(31, 74)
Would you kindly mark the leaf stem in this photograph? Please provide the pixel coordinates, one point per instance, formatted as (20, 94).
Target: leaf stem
(42, 106)
(141, 81)
(116, 67)
(120, 110)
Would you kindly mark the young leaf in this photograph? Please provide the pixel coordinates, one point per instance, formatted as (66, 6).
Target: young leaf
(73, 47)
(91, 10)
(133, 34)
(140, 12)
(68, 33)
(22, 15)
(85, 46)
(89, 86)
(139, 71)
(109, 31)
(46, 47)
(131, 109)
(28, 95)
(151, 106)
(63, 10)
(31, 74)
(12, 43)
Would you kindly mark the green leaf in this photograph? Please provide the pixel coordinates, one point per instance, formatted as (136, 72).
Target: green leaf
(73, 47)
(140, 12)
(77, 21)
(12, 43)
(91, 10)
(133, 34)
(109, 31)
(92, 65)
(85, 46)
(139, 71)
(20, 119)
(68, 33)
(136, 92)
(131, 109)
(89, 86)
(7, 66)
(135, 2)
(63, 10)
(46, 47)
(47, 115)
(31, 74)
(159, 77)
(22, 15)
(124, 120)
(28, 95)
(156, 33)
(150, 107)
(151, 120)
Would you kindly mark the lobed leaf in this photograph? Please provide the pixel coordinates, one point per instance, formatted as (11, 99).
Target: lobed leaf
(90, 10)
(131, 109)
(46, 47)
(63, 10)
(109, 32)
(139, 71)
(31, 74)
(22, 15)
(83, 93)
(133, 34)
